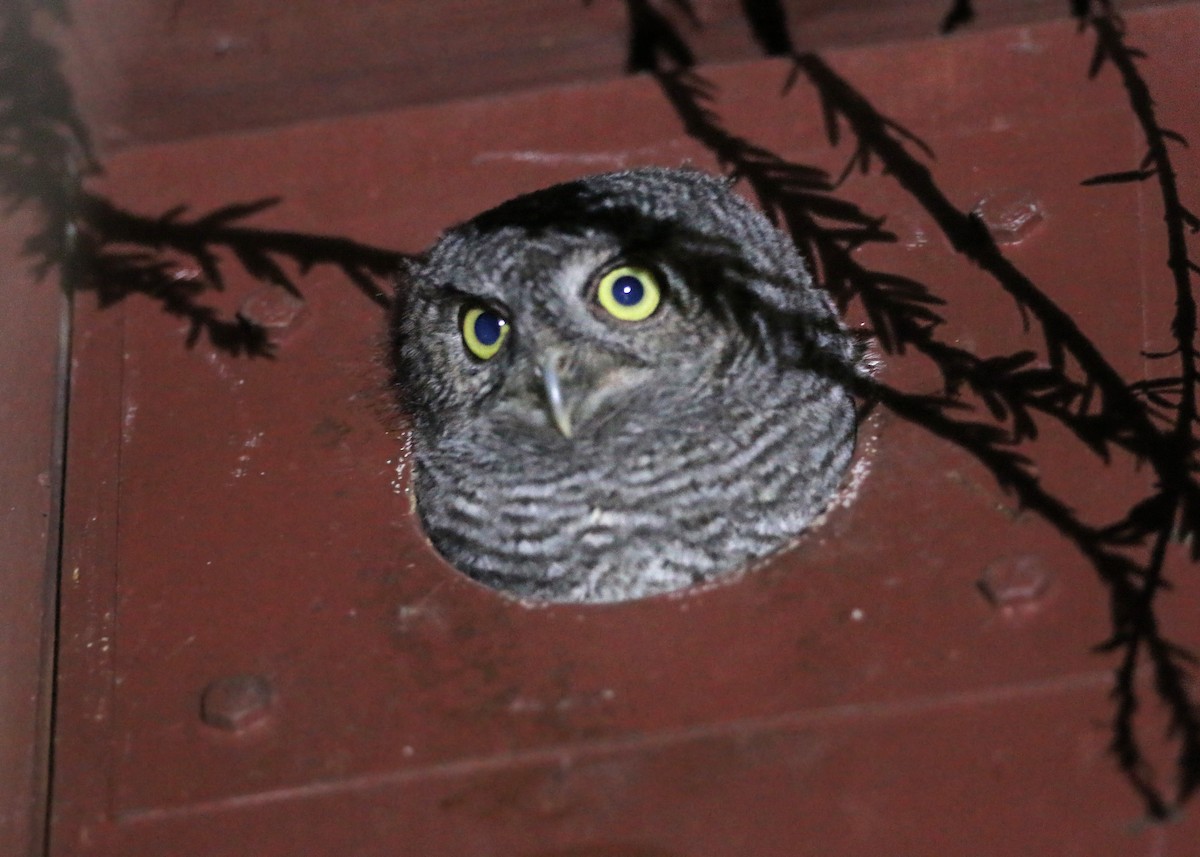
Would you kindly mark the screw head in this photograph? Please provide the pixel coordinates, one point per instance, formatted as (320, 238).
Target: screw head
(1015, 583)
(1009, 215)
(273, 308)
(236, 703)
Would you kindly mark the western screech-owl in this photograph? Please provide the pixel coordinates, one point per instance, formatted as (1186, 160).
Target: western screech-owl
(619, 386)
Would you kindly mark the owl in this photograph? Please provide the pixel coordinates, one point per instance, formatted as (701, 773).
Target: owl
(619, 386)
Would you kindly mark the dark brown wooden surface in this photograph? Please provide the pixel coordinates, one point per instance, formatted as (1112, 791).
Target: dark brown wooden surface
(150, 70)
(859, 695)
(31, 310)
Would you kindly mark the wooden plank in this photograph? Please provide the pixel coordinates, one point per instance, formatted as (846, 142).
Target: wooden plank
(32, 310)
(150, 70)
(233, 517)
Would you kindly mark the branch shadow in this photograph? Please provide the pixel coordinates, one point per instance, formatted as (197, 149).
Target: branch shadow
(654, 37)
(991, 405)
(44, 147)
(988, 405)
(46, 157)
(177, 261)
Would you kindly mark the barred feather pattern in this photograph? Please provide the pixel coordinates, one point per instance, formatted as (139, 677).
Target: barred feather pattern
(717, 431)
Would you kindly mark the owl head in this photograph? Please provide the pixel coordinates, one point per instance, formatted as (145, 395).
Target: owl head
(557, 306)
(570, 351)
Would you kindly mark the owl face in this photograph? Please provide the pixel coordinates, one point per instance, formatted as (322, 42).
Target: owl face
(619, 386)
(554, 341)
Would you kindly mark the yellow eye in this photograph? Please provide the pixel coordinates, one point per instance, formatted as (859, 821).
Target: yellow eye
(483, 332)
(629, 293)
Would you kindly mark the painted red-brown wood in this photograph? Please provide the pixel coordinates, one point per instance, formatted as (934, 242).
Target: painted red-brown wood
(234, 517)
(148, 70)
(32, 311)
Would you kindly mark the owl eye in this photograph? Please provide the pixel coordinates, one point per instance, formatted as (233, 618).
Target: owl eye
(483, 332)
(629, 293)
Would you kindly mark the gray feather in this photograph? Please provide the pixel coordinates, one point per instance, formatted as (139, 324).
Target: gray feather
(705, 437)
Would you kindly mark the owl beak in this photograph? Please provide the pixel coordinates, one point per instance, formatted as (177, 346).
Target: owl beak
(548, 369)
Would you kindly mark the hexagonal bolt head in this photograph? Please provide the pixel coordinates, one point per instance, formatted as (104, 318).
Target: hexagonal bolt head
(1015, 582)
(1009, 215)
(236, 703)
(273, 308)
